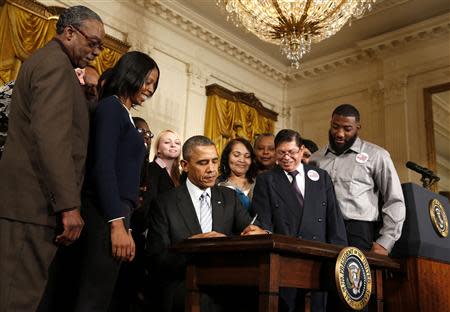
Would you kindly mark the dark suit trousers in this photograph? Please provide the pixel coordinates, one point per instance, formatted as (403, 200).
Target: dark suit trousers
(360, 234)
(99, 270)
(293, 300)
(217, 299)
(26, 251)
(64, 273)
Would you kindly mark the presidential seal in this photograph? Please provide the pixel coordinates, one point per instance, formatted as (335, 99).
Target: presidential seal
(438, 217)
(353, 279)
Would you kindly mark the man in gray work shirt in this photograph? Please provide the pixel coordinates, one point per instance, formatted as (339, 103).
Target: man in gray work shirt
(365, 180)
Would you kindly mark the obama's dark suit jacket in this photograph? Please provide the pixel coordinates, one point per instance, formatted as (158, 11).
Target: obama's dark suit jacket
(172, 220)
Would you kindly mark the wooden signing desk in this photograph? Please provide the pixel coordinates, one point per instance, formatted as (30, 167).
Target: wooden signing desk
(267, 262)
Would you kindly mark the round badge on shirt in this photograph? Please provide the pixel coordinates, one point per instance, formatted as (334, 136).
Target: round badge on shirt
(313, 175)
(362, 158)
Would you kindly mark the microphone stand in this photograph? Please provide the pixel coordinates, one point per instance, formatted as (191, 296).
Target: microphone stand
(428, 181)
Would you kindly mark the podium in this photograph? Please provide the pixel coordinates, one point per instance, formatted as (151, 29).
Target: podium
(424, 284)
(267, 262)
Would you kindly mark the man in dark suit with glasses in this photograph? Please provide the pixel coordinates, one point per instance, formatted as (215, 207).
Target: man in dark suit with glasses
(298, 200)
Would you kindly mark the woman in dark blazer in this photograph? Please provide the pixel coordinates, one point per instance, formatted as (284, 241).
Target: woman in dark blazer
(111, 190)
(164, 170)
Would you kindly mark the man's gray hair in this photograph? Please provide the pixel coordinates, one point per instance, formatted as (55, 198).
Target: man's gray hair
(192, 142)
(75, 16)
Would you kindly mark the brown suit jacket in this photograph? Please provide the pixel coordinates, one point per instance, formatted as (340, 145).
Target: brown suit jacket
(41, 171)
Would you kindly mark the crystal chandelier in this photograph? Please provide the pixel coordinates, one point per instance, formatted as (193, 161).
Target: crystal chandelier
(294, 24)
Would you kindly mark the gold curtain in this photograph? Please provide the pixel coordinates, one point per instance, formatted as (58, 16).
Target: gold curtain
(28, 26)
(226, 119)
(106, 59)
(21, 33)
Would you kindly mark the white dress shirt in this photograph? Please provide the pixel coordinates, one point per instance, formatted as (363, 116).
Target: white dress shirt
(195, 192)
(299, 178)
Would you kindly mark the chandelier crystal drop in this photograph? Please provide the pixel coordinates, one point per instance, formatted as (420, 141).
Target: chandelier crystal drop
(294, 24)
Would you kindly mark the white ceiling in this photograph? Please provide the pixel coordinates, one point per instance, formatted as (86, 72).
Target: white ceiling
(386, 16)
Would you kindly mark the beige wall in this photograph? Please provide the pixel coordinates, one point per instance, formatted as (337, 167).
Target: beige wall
(387, 88)
(190, 56)
(383, 76)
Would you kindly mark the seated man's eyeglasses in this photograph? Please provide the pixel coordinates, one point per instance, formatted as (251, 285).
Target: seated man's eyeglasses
(92, 42)
(291, 153)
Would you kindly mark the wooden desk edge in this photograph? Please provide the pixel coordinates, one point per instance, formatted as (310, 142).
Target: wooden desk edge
(279, 244)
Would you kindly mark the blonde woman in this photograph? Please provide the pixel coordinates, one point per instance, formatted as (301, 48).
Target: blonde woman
(164, 171)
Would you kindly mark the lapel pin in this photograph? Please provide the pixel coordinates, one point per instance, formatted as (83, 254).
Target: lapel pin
(313, 175)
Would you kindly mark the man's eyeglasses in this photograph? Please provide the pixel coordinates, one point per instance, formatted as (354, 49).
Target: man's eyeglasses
(147, 134)
(291, 153)
(92, 42)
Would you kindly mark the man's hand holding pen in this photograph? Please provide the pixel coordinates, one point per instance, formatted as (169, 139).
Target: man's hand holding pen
(252, 229)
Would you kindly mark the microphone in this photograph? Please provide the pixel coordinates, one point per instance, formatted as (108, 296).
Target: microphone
(421, 170)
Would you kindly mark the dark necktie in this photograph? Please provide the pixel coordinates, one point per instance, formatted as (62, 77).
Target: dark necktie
(297, 191)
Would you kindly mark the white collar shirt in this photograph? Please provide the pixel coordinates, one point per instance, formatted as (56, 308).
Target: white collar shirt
(299, 178)
(195, 192)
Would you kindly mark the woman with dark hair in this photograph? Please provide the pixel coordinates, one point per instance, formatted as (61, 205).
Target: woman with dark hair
(111, 190)
(238, 169)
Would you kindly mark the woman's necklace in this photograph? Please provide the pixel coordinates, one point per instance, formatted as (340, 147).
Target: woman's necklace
(241, 183)
(128, 111)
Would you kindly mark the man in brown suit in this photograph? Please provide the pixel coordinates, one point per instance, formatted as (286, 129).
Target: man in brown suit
(41, 170)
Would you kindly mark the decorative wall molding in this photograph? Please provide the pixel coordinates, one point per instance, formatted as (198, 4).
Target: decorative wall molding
(53, 11)
(376, 91)
(364, 51)
(383, 5)
(286, 113)
(368, 50)
(394, 89)
(268, 98)
(330, 63)
(33, 7)
(247, 98)
(116, 44)
(198, 77)
(428, 29)
(160, 10)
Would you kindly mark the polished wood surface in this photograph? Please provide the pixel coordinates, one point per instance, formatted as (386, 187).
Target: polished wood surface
(424, 286)
(275, 243)
(267, 262)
